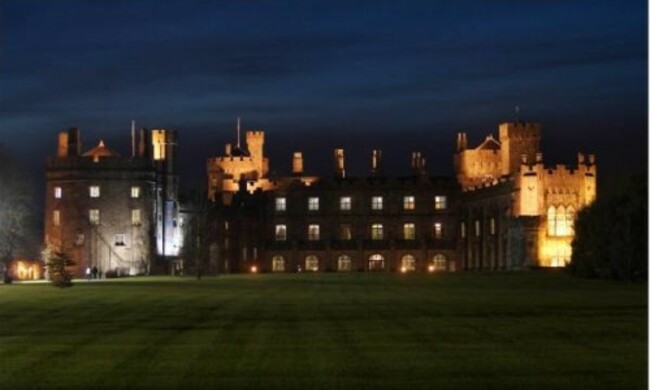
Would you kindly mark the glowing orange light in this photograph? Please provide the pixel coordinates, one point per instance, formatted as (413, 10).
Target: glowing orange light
(254, 269)
(431, 268)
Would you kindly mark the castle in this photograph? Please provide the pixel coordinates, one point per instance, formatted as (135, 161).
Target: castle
(503, 210)
(118, 214)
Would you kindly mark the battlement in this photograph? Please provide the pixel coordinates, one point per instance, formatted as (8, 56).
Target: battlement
(495, 183)
(519, 130)
(255, 133)
(229, 158)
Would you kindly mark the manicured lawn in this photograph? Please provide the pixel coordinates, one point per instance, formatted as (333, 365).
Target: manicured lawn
(327, 331)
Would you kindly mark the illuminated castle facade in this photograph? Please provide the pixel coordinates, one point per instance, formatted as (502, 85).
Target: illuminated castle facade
(503, 210)
(516, 212)
(119, 214)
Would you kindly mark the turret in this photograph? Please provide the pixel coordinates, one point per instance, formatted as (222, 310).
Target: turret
(375, 163)
(461, 142)
(517, 138)
(255, 146)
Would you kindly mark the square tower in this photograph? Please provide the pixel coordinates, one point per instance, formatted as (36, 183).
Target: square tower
(517, 139)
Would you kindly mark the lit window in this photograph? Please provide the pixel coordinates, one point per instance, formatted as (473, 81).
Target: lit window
(409, 203)
(311, 263)
(344, 263)
(79, 239)
(376, 262)
(280, 232)
(135, 192)
(477, 228)
(93, 216)
(345, 231)
(409, 231)
(56, 218)
(136, 217)
(560, 221)
(346, 203)
(493, 226)
(94, 191)
(440, 202)
(377, 203)
(313, 233)
(277, 263)
(280, 204)
(437, 230)
(377, 231)
(313, 203)
(463, 230)
(439, 262)
(226, 226)
(120, 240)
(57, 192)
(408, 263)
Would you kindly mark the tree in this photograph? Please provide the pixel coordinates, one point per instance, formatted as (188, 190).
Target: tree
(57, 267)
(198, 232)
(611, 236)
(15, 210)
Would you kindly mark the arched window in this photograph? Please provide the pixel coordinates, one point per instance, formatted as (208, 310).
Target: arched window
(550, 220)
(408, 263)
(376, 262)
(439, 262)
(344, 263)
(277, 263)
(311, 263)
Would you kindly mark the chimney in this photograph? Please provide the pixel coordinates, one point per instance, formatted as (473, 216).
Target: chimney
(297, 163)
(417, 163)
(524, 158)
(538, 158)
(339, 162)
(63, 145)
(143, 146)
(591, 158)
(74, 142)
(376, 162)
(581, 158)
(228, 149)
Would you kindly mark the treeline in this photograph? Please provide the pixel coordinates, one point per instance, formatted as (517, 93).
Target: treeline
(611, 239)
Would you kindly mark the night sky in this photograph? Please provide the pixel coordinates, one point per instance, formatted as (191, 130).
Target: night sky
(398, 76)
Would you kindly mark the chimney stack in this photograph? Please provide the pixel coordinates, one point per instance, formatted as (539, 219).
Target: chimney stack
(228, 149)
(297, 164)
(339, 162)
(376, 162)
(74, 142)
(63, 144)
(417, 163)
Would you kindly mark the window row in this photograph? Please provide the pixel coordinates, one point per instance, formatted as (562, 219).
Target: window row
(376, 203)
(478, 226)
(376, 262)
(95, 192)
(93, 217)
(377, 231)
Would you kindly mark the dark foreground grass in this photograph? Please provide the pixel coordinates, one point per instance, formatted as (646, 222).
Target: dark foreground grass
(329, 331)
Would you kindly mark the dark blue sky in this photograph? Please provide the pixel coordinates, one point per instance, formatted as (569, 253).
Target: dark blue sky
(398, 75)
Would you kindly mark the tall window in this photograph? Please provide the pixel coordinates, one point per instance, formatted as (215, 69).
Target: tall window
(136, 217)
(311, 263)
(79, 239)
(57, 192)
(345, 231)
(463, 230)
(377, 203)
(56, 218)
(313, 233)
(344, 263)
(94, 191)
(313, 203)
(409, 202)
(93, 216)
(493, 226)
(437, 230)
(280, 232)
(376, 262)
(377, 231)
(409, 231)
(346, 203)
(477, 228)
(560, 221)
(277, 263)
(408, 263)
(281, 204)
(135, 192)
(440, 202)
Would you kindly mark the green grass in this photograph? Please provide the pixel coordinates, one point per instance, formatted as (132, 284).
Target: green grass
(327, 331)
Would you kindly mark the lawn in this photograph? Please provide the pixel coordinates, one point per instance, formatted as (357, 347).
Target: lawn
(327, 331)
